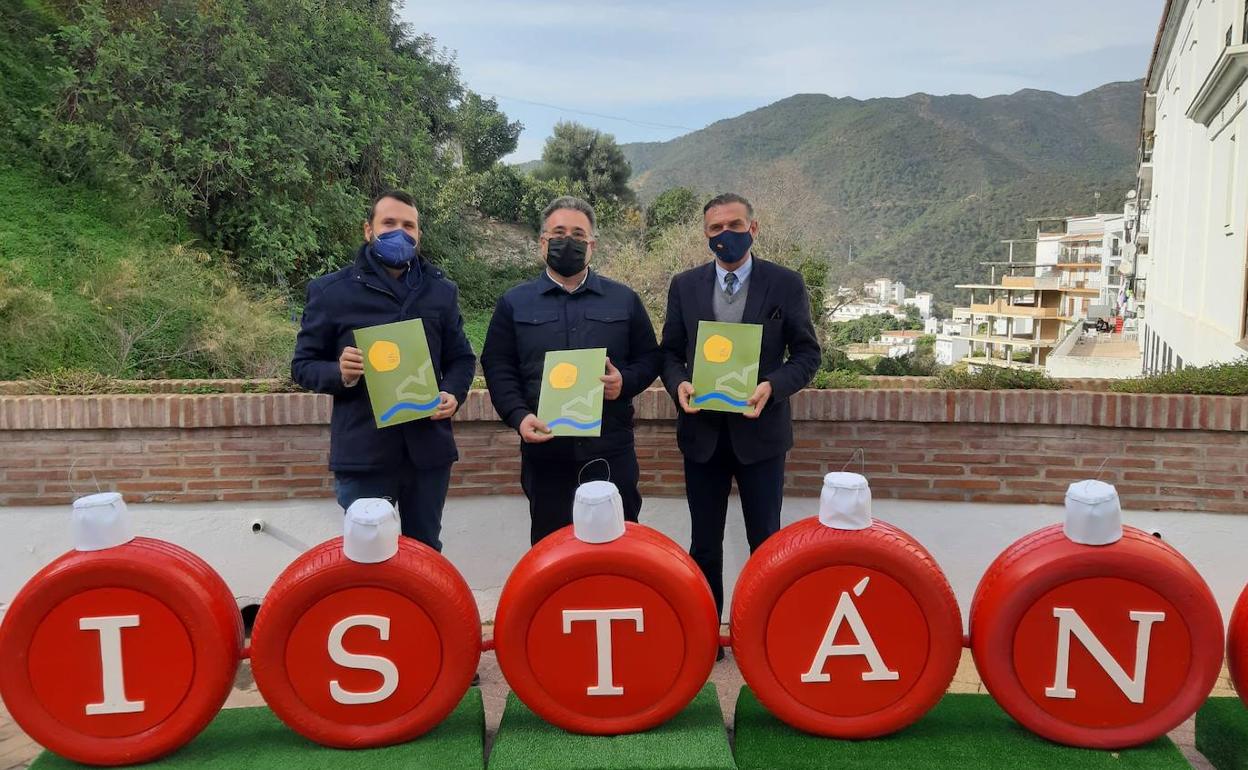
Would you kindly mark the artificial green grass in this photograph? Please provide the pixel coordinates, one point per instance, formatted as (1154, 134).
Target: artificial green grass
(254, 738)
(962, 731)
(1222, 733)
(692, 740)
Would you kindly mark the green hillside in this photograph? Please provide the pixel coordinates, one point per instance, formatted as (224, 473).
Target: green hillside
(921, 187)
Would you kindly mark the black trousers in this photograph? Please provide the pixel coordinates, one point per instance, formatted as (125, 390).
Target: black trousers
(419, 494)
(551, 486)
(707, 486)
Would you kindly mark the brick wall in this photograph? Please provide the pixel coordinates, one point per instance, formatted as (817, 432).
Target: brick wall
(1163, 452)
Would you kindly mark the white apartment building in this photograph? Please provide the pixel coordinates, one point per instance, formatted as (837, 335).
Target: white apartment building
(1193, 181)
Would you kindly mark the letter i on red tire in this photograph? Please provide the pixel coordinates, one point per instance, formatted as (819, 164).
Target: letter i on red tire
(122, 650)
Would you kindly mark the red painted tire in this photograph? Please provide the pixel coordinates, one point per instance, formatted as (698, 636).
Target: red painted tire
(659, 669)
(432, 641)
(1237, 646)
(177, 613)
(1015, 622)
(785, 600)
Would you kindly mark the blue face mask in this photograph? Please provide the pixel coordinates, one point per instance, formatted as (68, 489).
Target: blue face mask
(395, 248)
(730, 246)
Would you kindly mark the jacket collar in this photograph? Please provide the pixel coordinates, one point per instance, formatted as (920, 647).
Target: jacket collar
(366, 270)
(592, 283)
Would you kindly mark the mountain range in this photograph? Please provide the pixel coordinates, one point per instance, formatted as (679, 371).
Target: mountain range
(919, 188)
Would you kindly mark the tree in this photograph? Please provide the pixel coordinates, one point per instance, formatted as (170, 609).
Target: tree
(676, 206)
(267, 124)
(485, 136)
(582, 154)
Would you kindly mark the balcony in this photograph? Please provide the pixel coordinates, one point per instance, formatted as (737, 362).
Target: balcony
(1002, 308)
(1017, 342)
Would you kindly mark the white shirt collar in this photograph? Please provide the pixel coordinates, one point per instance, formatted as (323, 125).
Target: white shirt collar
(742, 273)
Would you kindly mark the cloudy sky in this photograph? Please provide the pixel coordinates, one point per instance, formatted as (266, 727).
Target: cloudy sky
(648, 70)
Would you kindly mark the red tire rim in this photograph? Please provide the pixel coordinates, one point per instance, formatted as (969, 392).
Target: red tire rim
(355, 655)
(120, 656)
(1106, 605)
(886, 604)
(648, 600)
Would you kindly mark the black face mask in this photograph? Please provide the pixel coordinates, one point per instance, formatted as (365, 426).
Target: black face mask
(566, 256)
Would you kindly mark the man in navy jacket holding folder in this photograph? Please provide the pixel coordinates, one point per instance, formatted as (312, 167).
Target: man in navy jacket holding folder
(568, 307)
(410, 463)
(736, 287)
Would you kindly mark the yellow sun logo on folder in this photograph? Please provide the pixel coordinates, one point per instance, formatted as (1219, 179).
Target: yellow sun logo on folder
(563, 376)
(717, 349)
(384, 355)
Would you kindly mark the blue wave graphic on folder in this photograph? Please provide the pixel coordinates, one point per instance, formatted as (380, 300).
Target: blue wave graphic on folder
(404, 406)
(716, 395)
(578, 425)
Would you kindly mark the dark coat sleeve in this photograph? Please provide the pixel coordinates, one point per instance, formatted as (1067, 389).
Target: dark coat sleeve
(646, 359)
(675, 342)
(459, 364)
(500, 360)
(802, 343)
(315, 363)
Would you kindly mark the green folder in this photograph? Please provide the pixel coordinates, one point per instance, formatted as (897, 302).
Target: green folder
(571, 399)
(725, 366)
(398, 372)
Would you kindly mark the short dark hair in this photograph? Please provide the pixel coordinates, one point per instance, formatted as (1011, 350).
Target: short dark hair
(725, 198)
(398, 195)
(571, 203)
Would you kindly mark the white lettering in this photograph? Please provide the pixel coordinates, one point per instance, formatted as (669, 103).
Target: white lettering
(384, 666)
(1069, 622)
(847, 612)
(602, 626)
(109, 628)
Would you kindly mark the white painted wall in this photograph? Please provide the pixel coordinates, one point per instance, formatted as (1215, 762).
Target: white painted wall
(949, 349)
(1198, 248)
(485, 536)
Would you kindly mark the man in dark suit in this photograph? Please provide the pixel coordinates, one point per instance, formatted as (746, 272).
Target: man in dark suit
(570, 306)
(389, 281)
(736, 287)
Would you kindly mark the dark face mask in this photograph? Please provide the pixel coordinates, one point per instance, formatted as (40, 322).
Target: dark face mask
(730, 246)
(566, 256)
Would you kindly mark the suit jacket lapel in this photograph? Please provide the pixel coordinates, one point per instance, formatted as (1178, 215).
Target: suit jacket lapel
(756, 299)
(703, 286)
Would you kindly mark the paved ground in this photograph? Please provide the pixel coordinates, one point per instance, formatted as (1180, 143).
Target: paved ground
(17, 751)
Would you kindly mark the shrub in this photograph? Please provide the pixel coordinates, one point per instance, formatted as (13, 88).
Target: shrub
(1226, 379)
(995, 378)
(839, 379)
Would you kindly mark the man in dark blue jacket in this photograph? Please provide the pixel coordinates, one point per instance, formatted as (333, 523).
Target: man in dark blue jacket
(389, 281)
(570, 307)
(736, 287)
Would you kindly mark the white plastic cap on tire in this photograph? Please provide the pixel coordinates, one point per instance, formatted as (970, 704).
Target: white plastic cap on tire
(370, 531)
(100, 521)
(598, 512)
(1093, 513)
(845, 502)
